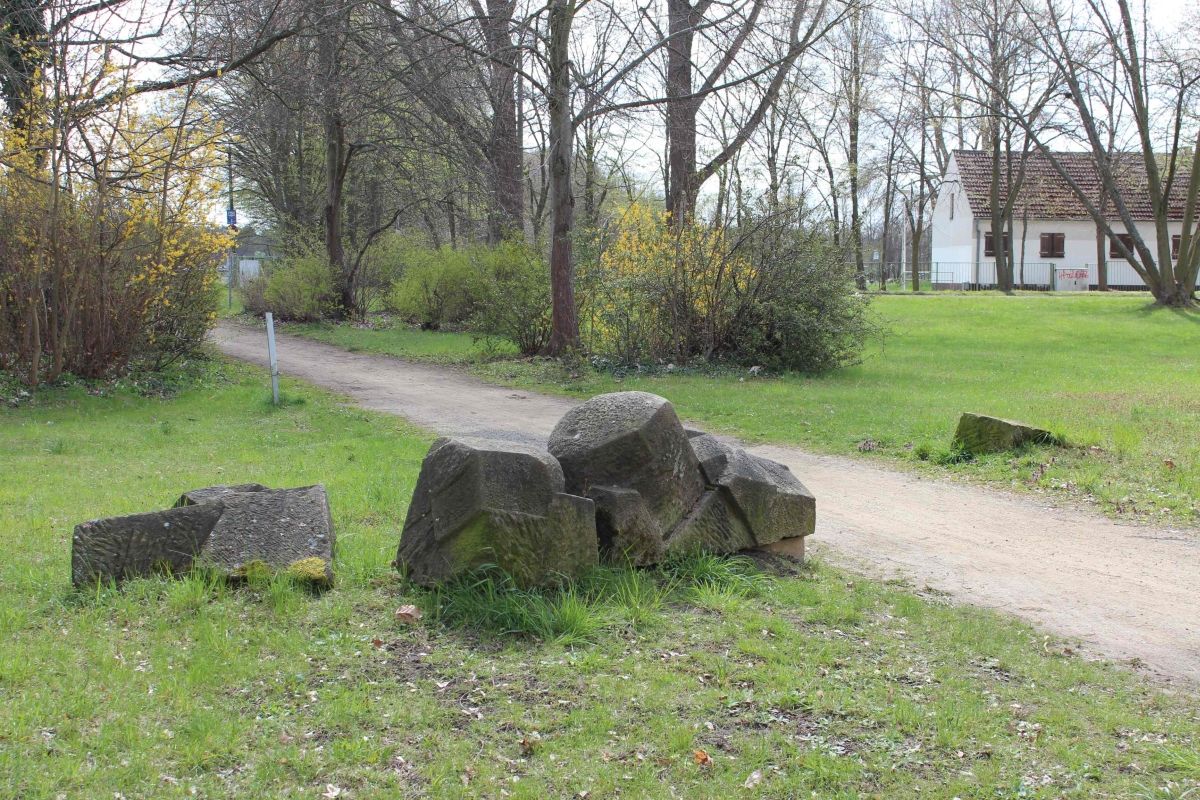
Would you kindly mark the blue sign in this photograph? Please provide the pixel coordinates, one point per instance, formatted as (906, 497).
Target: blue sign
(230, 216)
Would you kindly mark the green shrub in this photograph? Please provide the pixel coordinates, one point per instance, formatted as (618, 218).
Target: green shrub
(297, 289)
(382, 266)
(765, 294)
(514, 296)
(800, 310)
(438, 287)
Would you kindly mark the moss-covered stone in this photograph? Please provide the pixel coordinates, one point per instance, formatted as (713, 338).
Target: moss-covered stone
(480, 502)
(979, 433)
(228, 529)
(313, 570)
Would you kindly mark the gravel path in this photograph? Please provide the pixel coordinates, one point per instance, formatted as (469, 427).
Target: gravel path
(1125, 591)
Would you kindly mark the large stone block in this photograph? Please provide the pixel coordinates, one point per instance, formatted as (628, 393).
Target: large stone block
(773, 503)
(978, 433)
(220, 528)
(480, 502)
(282, 529)
(140, 544)
(627, 531)
(630, 440)
(713, 526)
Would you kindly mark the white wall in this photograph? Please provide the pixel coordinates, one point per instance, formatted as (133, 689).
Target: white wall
(952, 229)
(1079, 251)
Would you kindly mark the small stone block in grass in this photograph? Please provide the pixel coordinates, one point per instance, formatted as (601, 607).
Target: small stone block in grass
(979, 433)
(230, 529)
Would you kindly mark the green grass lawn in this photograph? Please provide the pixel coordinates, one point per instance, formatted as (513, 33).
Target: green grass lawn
(695, 681)
(412, 343)
(1119, 380)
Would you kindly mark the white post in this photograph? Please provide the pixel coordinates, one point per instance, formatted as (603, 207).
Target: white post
(271, 356)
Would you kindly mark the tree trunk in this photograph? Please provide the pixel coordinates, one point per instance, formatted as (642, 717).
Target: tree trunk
(999, 250)
(505, 151)
(682, 111)
(335, 168)
(335, 156)
(854, 112)
(564, 320)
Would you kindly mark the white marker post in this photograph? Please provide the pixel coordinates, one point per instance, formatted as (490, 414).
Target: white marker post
(273, 359)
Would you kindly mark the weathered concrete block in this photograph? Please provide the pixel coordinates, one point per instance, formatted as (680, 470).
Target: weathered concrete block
(630, 440)
(218, 528)
(978, 433)
(480, 502)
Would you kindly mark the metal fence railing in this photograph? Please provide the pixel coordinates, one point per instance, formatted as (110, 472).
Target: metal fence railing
(1037, 276)
(965, 275)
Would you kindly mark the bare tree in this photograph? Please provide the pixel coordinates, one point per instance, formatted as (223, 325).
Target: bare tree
(1156, 84)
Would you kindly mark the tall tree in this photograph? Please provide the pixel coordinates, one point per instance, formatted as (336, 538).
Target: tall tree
(766, 70)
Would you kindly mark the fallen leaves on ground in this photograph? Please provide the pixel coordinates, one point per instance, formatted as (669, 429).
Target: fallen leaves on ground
(408, 615)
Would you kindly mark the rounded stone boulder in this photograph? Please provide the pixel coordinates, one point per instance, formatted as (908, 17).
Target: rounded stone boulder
(630, 440)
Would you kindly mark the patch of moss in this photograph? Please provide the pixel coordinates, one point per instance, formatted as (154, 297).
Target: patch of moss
(312, 570)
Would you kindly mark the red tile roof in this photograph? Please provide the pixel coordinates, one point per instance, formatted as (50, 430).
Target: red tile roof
(1048, 196)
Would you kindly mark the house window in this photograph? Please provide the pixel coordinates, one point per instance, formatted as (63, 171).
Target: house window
(989, 244)
(1125, 239)
(1053, 245)
(1175, 240)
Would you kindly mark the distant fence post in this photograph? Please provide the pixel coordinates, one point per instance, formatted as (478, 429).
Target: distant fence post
(271, 356)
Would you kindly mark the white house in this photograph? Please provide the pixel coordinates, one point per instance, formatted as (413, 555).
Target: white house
(1055, 239)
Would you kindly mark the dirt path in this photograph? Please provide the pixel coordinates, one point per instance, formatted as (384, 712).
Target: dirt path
(1125, 591)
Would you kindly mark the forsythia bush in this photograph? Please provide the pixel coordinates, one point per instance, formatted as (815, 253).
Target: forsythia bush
(655, 292)
(97, 272)
(766, 295)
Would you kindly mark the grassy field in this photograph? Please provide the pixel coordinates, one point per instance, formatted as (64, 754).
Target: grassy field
(406, 342)
(696, 681)
(1121, 382)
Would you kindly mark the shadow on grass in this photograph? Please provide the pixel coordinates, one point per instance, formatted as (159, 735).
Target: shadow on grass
(1189, 314)
(606, 600)
(188, 592)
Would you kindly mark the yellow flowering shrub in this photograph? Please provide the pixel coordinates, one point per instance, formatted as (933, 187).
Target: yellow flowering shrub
(661, 292)
(106, 253)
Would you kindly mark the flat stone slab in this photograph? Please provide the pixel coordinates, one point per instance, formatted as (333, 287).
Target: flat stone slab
(979, 433)
(224, 528)
(282, 529)
(480, 502)
(138, 545)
